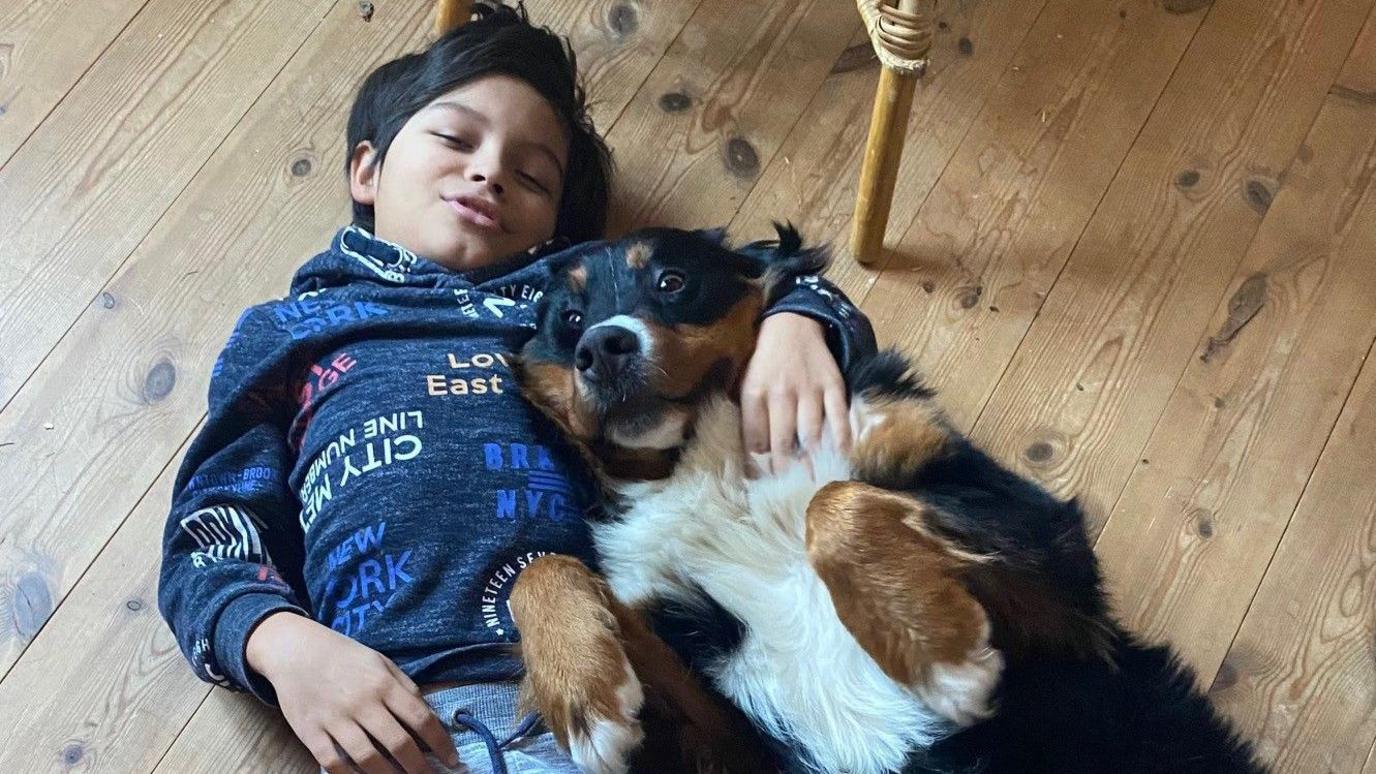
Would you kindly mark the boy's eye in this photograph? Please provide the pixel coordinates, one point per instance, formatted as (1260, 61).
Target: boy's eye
(671, 282)
(457, 142)
(573, 318)
(534, 182)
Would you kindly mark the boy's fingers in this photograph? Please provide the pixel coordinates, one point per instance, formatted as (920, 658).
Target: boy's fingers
(417, 716)
(355, 742)
(809, 421)
(754, 427)
(783, 431)
(403, 678)
(838, 418)
(330, 757)
(397, 741)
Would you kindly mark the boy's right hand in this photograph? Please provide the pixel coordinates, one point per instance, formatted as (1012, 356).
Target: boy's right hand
(343, 698)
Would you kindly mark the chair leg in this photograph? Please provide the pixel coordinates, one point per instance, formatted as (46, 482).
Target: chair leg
(450, 14)
(893, 101)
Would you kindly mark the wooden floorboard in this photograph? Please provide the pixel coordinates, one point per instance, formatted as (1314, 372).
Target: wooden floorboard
(972, 272)
(1109, 344)
(1200, 518)
(1086, 186)
(43, 52)
(1300, 678)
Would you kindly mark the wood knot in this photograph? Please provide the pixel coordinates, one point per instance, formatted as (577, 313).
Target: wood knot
(1227, 675)
(1186, 6)
(942, 25)
(301, 167)
(623, 19)
(674, 102)
(134, 605)
(741, 157)
(1040, 452)
(73, 753)
(107, 300)
(968, 296)
(928, 286)
(1259, 192)
(965, 46)
(32, 603)
(1219, 402)
(1187, 179)
(1203, 520)
(365, 10)
(159, 382)
(1122, 14)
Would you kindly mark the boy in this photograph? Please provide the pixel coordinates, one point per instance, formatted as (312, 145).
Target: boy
(369, 481)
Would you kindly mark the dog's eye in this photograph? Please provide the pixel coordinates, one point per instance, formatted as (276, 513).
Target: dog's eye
(671, 282)
(573, 318)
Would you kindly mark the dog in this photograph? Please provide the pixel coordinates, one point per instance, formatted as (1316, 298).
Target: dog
(909, 605)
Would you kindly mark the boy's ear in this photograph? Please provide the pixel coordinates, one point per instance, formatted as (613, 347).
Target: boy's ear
(363, 174)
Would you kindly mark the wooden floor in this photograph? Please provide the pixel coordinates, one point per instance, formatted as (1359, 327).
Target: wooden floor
(1134, 243)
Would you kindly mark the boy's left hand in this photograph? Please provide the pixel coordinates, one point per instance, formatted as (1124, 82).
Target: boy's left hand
(792, 389)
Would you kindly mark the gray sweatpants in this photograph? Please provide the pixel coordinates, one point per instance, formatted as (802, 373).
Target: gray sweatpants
(493, 707)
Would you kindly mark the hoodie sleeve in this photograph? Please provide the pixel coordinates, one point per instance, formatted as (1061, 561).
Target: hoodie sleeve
(849, 333)
(233, 532)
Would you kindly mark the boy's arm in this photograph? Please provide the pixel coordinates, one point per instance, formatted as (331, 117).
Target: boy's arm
(848, 331)
(233, 529)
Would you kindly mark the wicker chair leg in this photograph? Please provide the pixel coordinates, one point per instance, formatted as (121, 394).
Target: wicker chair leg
(450, 14)
(883, 150)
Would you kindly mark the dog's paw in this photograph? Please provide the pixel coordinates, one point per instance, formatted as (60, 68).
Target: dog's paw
(603, 744)
(963, 692)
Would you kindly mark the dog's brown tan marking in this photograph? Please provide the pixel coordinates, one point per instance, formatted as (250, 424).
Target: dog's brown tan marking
(551, 387)
(578, 278)
(896, 586)
(685, 355)
(638, 255)
(577, 674)
(895, 438)
(577, 641)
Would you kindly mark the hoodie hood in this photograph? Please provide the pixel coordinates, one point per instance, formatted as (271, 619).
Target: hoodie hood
(356, 255)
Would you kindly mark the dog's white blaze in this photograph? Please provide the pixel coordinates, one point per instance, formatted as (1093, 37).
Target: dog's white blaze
(610, 741)
(798, 672)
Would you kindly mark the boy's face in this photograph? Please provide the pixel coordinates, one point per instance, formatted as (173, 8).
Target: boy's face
(473, 177)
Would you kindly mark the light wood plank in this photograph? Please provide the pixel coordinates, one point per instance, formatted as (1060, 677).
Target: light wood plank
(987, 245)
(1200, 518)
(103, 687)
(1098, 364)
(234, 733)
(812, 179)
(1300, 678)
(106, 164)
(711, 115)
(132, 372)
(42, 53)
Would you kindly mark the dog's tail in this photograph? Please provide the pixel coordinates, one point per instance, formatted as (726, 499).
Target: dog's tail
(1140, 714)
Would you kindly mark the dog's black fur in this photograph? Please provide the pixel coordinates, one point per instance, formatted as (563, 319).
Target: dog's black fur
(1079, 693)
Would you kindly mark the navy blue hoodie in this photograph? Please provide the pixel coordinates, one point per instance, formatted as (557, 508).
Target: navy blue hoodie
(368, 460)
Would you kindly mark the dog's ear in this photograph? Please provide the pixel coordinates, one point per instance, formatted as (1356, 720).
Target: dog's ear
(716, 236)
(783, 260)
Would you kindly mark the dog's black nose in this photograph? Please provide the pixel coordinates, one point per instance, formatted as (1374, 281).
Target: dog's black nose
(604, 351)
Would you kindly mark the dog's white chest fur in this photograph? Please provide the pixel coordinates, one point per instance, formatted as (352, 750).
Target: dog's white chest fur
(799, 673)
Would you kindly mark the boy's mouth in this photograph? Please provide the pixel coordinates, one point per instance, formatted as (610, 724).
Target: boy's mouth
(476, 212)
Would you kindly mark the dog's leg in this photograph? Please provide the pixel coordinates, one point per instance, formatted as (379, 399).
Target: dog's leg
(896, 587)
(578, 676)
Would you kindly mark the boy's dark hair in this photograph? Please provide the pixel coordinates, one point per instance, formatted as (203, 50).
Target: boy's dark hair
(500, 41)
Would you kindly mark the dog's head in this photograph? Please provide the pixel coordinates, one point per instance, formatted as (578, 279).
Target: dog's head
(635, 334)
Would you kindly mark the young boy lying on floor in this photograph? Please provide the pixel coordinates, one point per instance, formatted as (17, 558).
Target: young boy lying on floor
(347, 525)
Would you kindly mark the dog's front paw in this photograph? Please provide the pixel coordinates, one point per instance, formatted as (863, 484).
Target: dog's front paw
(601, 738)
(963, 692)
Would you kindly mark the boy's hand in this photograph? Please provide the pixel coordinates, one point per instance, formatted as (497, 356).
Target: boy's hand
(792, 388)
(343, 698)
